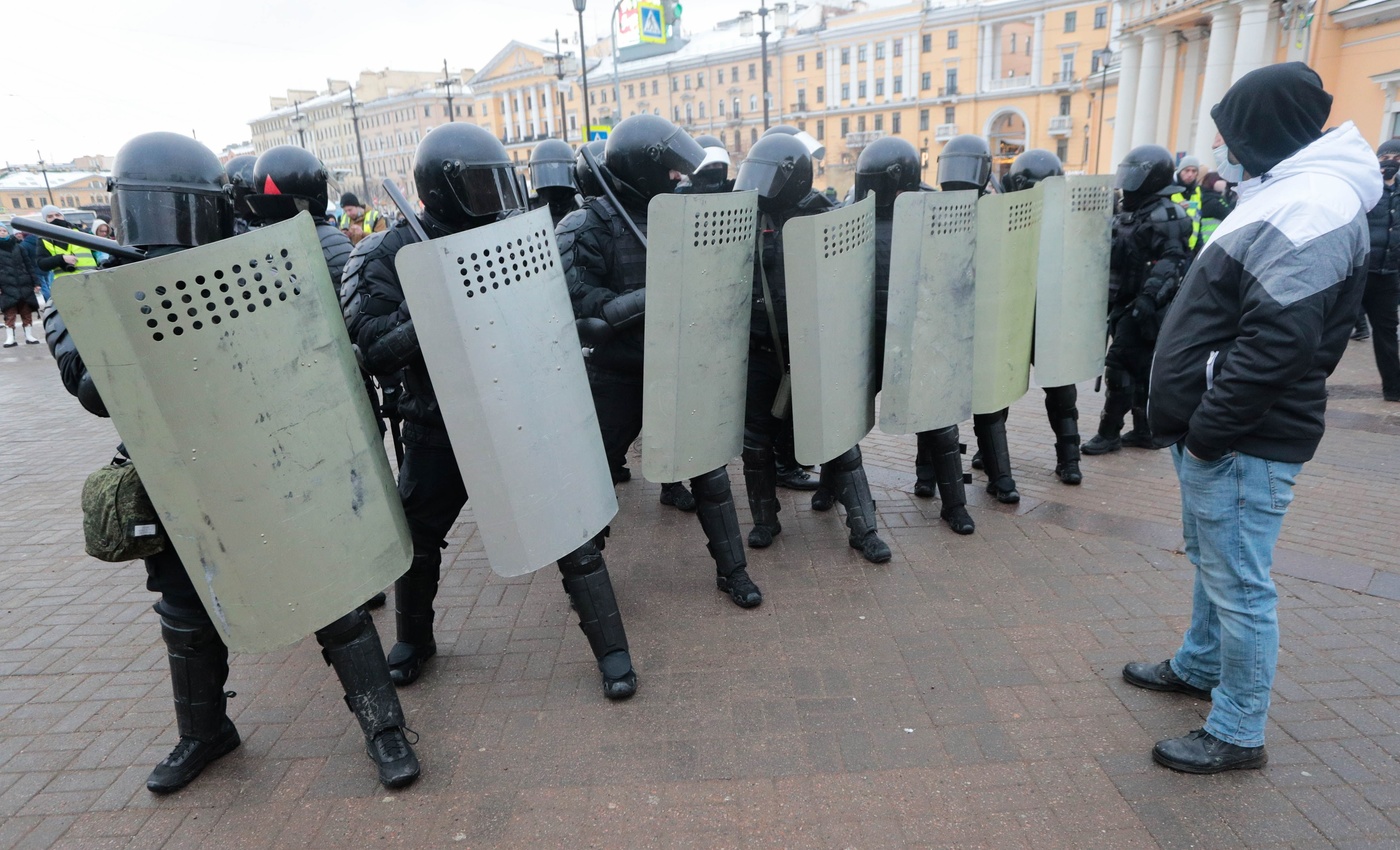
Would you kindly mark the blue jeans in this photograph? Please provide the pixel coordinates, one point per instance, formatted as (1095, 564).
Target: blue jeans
(1231, 513)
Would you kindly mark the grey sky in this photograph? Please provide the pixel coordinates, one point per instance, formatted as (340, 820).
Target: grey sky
(88, 78)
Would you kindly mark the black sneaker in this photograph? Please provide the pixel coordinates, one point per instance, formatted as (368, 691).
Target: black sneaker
(1202, 752)
(191, 756)
(391, 751)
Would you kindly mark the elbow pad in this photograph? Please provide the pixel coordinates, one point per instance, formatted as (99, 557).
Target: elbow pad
(392, 351)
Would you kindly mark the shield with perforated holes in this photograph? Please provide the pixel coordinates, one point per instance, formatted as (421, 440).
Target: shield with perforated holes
(1071, 290)
(699, 284)
(1008, 239)
(230, 378)
(497, 332)
(829, 267)
(928, 324)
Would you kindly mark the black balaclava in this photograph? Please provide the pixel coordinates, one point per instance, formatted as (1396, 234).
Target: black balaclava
(1272, 113)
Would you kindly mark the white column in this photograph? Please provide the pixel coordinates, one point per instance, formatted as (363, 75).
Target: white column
(870, 72)
(1220, 57)
(1038, 52)
(911, 69)
(833, 78)
(1167, 98)
(1190, 81)
(985, 59)
(996, 51)
(1149, 88)
(1249, 44)
(552, 93)
(507, 123)
(534, 110)
(1129, 70)
(889, 70)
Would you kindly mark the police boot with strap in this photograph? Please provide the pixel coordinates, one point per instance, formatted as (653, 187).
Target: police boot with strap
(946, 455)
(674, 495)
(198, 671)
(351, 646)
(761, 482)
(996, 456)
(413, 616)
(590, 590)
(1118, 399)
(1141, 436)
(791, 474)
(725, 542)
(1064, 421)
(925, 479)
(824, 498)
(853, 491)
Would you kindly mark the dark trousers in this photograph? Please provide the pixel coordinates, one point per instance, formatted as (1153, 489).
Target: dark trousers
(617, 397)
(433, 495)
(761, 427)
(1382, 291)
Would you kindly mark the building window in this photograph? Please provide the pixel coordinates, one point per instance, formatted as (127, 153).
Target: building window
(950, 80)
(654, 89)
(689, 114)
(923, 120)
(1066, 67)
(821, 59)
(592, 97)
(1100, 17)
(753, 135)
(926, 81)
(802, 98)
(845, 91)
(860, 123)
(675, 84)
(899, 48)
(926, 43)
(753, 70)
(950, 115)
(879, 88)
(860, 89)
(1028, 45)
(845, 56)
(862, 53)
(821, 94)
(821, 129)
(700, 80)
(845, 127)
(631, 90)
(753, 102)
(719, 76)
(676, 114)
(894, 123)
(734, 74)
(1062, 148)
(1064, 104)
(1013, 42)
(735, 104)
(899, 85)
(879, 50)
(687, 82)
(702, 109)
(880, 123)
(952, 39)
(427, 112)
(1070, 18)
(801, 62)
(721, 108)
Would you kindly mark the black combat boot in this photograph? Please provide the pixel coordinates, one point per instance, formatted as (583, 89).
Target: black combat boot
(996, 456)
(824, 497)
(674, 495)
(721, 526)
(1141, 436)
(1064, 421)
(791, 474)
(198, 671)
(946, 458)
(351, 646)
(590, 591)
(761, 482)
(413, 617)
(1117, 400)
(853, 492)
(925, 478)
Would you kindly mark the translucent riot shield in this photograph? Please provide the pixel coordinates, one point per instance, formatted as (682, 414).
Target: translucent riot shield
(1071, 298)
(497, 332)
(829, 265)
(699, 284)
(1008, 239)
(229, 375)
(928, 324)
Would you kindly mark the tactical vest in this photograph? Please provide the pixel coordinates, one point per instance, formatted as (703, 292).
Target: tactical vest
(628, 256)
(86, 262)
(1130, 266)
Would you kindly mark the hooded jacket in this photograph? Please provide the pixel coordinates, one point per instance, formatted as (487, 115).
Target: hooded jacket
(1265, 312)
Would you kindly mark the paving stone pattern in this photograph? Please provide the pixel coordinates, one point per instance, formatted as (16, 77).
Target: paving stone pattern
(967, 694)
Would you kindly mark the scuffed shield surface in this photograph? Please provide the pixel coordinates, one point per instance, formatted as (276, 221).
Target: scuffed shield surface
(699, 284)
(1071, 300)
(229, 375)
(829, 261)
(928, 324)
(1008, 239)
(497, 332)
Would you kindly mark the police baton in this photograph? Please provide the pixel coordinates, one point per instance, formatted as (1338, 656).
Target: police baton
(406, 208)
(54, 233)
(603, 181)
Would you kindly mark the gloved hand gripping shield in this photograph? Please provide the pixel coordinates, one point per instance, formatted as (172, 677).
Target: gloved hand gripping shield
(1076, 235)
(1008, 241)
(497, 332)
(229, 375)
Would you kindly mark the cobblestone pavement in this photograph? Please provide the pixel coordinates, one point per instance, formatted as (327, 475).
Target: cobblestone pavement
(967, 694)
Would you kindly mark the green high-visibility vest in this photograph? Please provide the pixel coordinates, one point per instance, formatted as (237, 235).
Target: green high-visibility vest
(1192, 203)
(86, 261)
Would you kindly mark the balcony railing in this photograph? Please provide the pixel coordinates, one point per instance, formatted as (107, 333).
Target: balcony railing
(948, 91)
(1065, 77)
(1061, 125)
(944, 132)
(1009, 83)
(800, 106)
(862, 138)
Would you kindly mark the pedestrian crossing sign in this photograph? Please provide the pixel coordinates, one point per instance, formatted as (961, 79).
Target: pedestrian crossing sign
(598, 133)
(653, 24)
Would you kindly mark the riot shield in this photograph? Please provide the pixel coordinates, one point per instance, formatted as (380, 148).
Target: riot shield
(1008, 238)
(928, 324)
(229, 375)
(829, 265)
(1071, 295)
(497, 332)
(699, 283)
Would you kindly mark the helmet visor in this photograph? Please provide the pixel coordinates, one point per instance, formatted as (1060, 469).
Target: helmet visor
(885, 184)
(814, 147)
(147, 218)
(551, 173)
(679, 152)
(1131, 175)
(971, 169)
(768, 178)
(485, 190)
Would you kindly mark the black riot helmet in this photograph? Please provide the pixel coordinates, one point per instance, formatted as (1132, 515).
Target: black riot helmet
(643, 150)
(168, 189)
(814, 147)
(1030, 168)
(588, 185)
(713, 173)
(705, 140)
(1146, 170)
(240, 177)
(965, 163)
(287, 180)
(887, 166)
(464, 176)
(780, 168)
(552, 165)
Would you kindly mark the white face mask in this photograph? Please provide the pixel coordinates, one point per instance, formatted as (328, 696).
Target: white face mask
(1232, 172)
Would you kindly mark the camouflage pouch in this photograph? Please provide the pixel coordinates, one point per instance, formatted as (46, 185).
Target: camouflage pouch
(119, 521)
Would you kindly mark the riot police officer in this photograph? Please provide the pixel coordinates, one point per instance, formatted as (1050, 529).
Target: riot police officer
(966, 163)
(552, 175)
(288, 180)
(168, 195)
(713, 173)
(1028, 169)
(779, 167)
(240, 178)
(605, 266)
(584, 178)
(886, 168)
(1151, 252)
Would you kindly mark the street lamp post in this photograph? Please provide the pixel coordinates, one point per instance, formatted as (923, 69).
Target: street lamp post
(780, 20)
(359, 145)
(47, 189)
(617, 72)
(446, 83)
(1105, 56)
(559, 74)
(300, 121)
(583, 64)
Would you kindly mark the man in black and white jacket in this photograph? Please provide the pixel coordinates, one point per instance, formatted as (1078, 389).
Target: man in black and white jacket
(1239, 388)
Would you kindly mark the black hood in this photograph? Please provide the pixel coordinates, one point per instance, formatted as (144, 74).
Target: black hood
(1272, 113)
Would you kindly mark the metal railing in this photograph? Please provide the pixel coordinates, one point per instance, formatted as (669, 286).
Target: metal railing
(944, 132)
(1008, 83)
(1061, 125)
